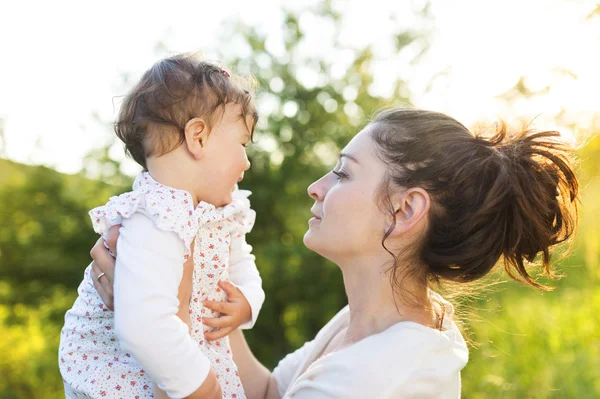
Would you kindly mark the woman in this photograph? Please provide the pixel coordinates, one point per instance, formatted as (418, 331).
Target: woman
(414, 200)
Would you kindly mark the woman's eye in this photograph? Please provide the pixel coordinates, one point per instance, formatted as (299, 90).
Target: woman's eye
(340, 174)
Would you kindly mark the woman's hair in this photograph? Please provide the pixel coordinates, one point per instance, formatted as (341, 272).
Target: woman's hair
(154, 114)
(507, 196)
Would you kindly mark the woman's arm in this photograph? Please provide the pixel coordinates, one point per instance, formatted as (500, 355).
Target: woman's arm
(257, 380)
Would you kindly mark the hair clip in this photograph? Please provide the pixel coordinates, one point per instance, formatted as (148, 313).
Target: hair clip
(225, 73)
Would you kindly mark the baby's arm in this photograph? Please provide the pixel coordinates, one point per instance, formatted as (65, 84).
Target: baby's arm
(244, 275)
(147, 277)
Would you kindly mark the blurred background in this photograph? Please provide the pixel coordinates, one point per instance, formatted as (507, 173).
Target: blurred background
(324, 67)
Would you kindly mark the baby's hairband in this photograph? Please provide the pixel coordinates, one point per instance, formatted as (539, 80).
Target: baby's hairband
(225, 73)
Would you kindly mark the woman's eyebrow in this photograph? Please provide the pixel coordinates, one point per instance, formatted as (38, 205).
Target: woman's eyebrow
(344, 155)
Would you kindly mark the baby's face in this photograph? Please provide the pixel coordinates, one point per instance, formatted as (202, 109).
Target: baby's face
(225, 160)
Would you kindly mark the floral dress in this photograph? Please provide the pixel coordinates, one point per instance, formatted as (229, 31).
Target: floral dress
(91, 362)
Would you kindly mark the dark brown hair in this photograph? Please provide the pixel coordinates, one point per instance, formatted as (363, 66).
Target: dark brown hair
(153, 115)
(506, 196)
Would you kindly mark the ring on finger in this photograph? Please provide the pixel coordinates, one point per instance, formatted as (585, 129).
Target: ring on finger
(100, 276)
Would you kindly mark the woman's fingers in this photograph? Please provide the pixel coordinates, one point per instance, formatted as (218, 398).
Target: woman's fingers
(219, 322)
(221, 307)
(103, 272)
(218, 334)
(105, 262)
(102, 278)
(107, 276)
(98, 250)
(111, 238)
(103, 286)
(103, 265)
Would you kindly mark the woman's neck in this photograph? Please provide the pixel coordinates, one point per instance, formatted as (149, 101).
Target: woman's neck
(374, 306)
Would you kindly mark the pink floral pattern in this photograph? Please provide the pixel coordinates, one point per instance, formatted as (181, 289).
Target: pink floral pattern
(90, 359)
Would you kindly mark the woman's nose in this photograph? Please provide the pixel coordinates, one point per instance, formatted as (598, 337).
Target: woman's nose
(317, 190)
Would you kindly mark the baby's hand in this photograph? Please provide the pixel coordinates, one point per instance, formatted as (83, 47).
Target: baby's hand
(236, 311)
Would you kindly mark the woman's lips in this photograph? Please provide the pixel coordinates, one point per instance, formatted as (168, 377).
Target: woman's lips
(315, 218)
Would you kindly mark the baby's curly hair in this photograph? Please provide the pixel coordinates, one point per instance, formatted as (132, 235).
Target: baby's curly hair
(154, 114)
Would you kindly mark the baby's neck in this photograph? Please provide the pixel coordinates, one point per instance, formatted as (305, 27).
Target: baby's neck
(171, 173)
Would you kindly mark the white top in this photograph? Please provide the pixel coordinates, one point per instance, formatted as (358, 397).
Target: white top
(408, 360)
(159, 224)
(158, 236)
(146, 303)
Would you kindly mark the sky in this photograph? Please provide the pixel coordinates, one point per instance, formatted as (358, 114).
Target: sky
(63, 61)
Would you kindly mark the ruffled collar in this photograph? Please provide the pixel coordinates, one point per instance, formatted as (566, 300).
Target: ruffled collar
(173, 210)
(182, 199)
(145, 183)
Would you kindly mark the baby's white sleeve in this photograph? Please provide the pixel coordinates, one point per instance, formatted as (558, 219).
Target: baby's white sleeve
(244, 275)
(148, 272)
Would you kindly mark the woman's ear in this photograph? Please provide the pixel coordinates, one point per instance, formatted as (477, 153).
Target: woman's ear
(196, 133)
(410, 208)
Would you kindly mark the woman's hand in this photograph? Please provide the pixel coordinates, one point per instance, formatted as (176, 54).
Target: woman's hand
(103, 265)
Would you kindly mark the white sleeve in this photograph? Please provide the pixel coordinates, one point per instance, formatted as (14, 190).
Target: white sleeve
(244, 275)
(331, 381)
(288, 367)
(148, 272)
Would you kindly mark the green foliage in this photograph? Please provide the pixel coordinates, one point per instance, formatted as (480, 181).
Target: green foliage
(531, 344)
(45, 237)
(44, 228)
(30, 336)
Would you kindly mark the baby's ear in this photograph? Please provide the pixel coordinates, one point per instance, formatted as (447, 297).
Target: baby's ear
(196, 133)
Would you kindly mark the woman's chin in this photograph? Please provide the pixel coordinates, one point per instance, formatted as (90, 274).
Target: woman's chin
(307, 239)
(310, 240)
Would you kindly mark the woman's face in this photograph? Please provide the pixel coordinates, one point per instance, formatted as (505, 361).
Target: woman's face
(347, 222)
